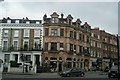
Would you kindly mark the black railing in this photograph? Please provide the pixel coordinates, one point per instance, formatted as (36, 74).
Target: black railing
(20, 49)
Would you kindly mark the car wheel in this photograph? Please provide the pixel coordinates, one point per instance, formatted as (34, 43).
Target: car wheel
(82, 74)
(67, 75)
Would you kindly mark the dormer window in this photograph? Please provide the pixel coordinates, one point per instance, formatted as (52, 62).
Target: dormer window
(8, 21)
(17, 21)
(27, 22)
(54, 20)
(70, 21)
(37, 22)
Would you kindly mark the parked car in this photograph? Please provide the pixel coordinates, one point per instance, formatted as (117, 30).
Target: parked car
(113, 72)
(72, 72)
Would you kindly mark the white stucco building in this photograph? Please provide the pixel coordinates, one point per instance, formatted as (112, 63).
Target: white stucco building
(21, 44)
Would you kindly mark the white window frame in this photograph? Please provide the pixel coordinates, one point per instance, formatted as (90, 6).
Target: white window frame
(5, 33)
(16, 33)
(16, 45)
(27, 22)
(8, 21)
(37, 32)
(26, 32)
(17, 21)
(37, 22)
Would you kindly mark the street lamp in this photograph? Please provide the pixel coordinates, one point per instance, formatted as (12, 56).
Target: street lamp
(118, 49)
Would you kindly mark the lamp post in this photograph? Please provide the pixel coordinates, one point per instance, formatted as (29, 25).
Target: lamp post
(118, 50)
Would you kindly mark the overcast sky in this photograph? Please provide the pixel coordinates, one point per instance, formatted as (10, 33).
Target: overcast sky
(98, 14)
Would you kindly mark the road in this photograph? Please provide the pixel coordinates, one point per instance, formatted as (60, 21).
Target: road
(48, 76)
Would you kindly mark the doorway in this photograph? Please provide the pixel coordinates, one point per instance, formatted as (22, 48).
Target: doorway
(60, 67)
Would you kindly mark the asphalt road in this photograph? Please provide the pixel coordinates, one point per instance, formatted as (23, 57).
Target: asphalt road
(55, 76)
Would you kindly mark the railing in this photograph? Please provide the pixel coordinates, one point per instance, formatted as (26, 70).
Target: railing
(20, 49)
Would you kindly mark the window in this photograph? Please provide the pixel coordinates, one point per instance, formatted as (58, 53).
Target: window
(26, 33)
(71, 47)
(7, 57)
(80, 49)
(54, 20)
(74, 35)
(83, 38)
(74, 47)
(36, 33)
(71, 34)
(15, 43)
(25, 45)
(80, 37)
(88, 39)
(5, 45)
(53, 46)
(36, 45)
(46, 31)
(17, 21)
(61, 45)
(46, 46)
(53, 32)
(16, 33)
(92, 34)
(27, 22)
(5, 33)
(8, 21)
(62, 32)
(70, 22)
(37, 22)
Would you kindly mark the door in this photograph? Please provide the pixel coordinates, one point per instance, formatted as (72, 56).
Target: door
(60, 67)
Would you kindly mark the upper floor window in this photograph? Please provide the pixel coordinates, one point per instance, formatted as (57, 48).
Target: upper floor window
(8, 21)
(54, 20)
(46, 46)
(46, 31)
(5, 33)
(71, 34)
(80, 37)
(74, 35)
(53, 32)
(54, 46)
(17, 21)
(70, 22)
(92, 34)
(26, 45)
(37, 22)
(5, 44)
(36, 33)
(71, 47)
(26, 32)
(36, 45)
(62, 32)
(16, 33)
(80, 49)
(27, 22)
(61, 45)
(15, 44)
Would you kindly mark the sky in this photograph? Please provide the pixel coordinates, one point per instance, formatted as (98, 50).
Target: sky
(102, 14)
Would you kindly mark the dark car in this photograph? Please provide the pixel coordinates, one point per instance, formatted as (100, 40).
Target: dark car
(113, 72)
(72, 72)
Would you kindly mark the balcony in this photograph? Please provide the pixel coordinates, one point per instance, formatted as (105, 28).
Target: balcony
(53, 50)
(70, 52)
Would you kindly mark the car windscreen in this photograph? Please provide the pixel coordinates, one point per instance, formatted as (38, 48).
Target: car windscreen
(115, 68)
